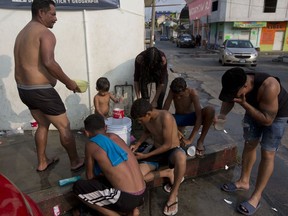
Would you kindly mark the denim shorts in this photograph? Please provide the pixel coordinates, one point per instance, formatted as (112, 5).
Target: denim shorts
(270, 135)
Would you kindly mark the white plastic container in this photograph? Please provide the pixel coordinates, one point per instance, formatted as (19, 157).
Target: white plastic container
(191, 151)
(122, 128)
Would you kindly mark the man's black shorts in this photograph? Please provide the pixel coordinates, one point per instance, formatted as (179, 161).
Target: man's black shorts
(42, 97)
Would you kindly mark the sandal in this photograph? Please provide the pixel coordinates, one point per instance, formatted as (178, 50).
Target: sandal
(168, 187)
(174, 212)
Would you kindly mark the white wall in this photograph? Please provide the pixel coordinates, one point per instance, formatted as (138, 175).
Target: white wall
(113, 37)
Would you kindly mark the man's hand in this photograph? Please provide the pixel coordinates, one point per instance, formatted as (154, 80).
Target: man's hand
(139, 155)
(241, 100)
(133, 148)
(73, 86)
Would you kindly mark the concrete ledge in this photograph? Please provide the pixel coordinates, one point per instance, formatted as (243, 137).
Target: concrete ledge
(213, 161)
(64, 198)
(217, 156)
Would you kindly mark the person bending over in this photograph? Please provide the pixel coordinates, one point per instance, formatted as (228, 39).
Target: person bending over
(160, 125)
(266, 104)
(114, 185)
(151, 67)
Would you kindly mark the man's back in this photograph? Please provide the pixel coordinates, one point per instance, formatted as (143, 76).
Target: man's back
(29, 68)
(126, 176)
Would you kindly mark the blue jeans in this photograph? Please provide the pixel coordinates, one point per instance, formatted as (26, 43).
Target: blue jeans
(270, 135)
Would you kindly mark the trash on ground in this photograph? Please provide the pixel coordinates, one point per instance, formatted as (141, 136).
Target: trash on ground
(225, 131)
(274, 209)
(228, 201)
(18, 131)
(226, 167)
(56, 210)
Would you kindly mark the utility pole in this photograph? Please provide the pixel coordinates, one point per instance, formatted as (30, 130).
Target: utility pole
(152, 24)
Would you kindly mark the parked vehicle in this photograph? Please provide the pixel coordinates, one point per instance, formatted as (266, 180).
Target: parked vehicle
(164, 38)
(185, 40)
(238, 52)
(14, 202)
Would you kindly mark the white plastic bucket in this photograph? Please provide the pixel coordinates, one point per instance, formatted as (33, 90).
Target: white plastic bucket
(121, 127)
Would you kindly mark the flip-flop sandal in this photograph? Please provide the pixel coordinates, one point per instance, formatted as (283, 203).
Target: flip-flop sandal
(247, 209)
(230, 187)
(174, 212)
(51, 164)
(200, 153)
(78, 168)
(167, 187)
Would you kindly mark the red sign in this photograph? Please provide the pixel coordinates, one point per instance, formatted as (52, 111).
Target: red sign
(199, 8)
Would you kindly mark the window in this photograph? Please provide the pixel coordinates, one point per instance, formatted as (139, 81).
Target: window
(215, 6)
(270, 6)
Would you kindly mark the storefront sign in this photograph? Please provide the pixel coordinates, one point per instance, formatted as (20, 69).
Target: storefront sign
(199, 8)
(249, 24)
(65, 4)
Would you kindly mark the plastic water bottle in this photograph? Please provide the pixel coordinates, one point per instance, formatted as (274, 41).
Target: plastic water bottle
(67, 181)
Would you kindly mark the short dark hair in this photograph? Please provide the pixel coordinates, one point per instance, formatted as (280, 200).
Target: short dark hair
(178, 85)
(103, 84)
(140, 108)
(41, 4)
(94, 122)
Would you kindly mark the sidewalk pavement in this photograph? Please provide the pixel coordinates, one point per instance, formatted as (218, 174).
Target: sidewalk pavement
(199, 194)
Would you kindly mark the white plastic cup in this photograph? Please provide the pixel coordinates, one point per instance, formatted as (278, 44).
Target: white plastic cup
(191, 151)
(219, 124)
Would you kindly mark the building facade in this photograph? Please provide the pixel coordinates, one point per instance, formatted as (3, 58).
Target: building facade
(263, 22)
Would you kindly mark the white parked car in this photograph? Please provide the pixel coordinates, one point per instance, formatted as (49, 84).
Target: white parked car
(235, 51)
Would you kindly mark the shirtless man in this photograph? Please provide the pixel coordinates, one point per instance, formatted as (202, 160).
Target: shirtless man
(114, 182)
(36, 74)
(188, 112)
(161, 127)
(266, 104)
(103, 97)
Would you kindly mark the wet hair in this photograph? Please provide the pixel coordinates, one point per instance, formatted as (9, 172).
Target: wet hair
(103, 84)
(140, 108)
(178, 85)
(41, 4)
(94, 122)
(152, 65)
(152, 57)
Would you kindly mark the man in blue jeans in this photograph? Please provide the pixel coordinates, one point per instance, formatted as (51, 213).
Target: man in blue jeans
(266, 104)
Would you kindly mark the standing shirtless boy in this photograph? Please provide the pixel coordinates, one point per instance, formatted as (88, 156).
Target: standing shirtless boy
(102, 98)
(114, 182)
(161, 127)
(188, 112)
